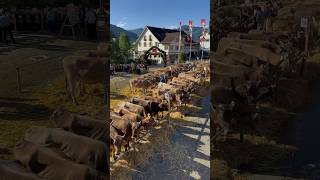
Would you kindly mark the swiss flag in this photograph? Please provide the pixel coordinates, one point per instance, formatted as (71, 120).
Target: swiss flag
(203, 22)
(190, 23)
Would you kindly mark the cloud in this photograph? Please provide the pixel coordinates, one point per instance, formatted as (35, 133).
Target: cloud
(121, 24)
(172, 27)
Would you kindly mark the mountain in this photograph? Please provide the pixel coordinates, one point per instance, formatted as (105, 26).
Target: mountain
(137, 31)
(118, 30)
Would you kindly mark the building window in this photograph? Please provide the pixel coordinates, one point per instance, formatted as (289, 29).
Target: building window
(145, 38)
(165, 47)
(157, 44)
(139, 44)
(150, 44)
(150, 38)
(145, 44)
(177, 47)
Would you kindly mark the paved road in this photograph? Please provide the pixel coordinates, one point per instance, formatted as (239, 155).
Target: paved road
(188, 154)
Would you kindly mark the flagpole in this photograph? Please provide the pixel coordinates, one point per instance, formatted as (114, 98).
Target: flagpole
(203, 22)
(179, 44)
(202, 51)
(190, 31)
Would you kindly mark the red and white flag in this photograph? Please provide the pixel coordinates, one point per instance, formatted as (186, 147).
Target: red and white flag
(190, 30)
(203, 22)
(190, 23)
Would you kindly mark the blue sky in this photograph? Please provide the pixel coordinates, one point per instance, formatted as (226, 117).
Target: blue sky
(132, 14)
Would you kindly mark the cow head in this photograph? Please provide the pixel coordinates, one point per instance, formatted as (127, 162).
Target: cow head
(164, 106)
(224, 113)
(38, 135)
(59, 118)
(25, 152)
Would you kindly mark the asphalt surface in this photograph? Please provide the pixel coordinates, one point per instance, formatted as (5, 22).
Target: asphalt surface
(187, 156)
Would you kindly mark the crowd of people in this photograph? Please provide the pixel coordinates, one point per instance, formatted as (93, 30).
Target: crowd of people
(84, 20)
(128, 68)
(263, 16)
(255, 16)
(50, 20)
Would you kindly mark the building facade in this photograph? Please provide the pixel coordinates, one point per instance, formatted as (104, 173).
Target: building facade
(166, 40)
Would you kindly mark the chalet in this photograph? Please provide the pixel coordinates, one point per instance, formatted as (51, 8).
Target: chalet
(166, 40)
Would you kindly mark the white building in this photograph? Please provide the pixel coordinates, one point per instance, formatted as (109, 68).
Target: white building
(165, 39)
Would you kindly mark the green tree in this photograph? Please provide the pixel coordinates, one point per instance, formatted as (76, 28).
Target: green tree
(116, 55)
(124, 43)
(182, 57)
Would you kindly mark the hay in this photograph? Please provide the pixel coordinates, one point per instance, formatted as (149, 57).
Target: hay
(153, 139)
(54, 96)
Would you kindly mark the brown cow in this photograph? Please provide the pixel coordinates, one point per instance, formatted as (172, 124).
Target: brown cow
(80, 69)
(135, 108)
(13, 170)
(116, 142)
(49, 164)
(81, 125)
(69, 144)
(125, 125)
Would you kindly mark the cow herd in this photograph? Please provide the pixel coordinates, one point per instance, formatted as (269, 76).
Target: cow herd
(252, 68)
(181, 81)
(75, 148)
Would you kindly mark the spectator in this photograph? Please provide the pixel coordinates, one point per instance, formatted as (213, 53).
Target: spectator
(267, 14)
(259, 18)
(90, 22)
(6, 27)
(138, 69)
(52, 20)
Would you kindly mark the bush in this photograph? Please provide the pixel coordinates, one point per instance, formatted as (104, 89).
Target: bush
(182, 57)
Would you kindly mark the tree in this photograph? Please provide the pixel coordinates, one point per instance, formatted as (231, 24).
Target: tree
(116, 55)
(182, 57)
(124, 42)
(124, 45)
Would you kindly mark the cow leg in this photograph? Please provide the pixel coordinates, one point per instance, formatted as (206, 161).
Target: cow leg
(72, 85)
(82, 88)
